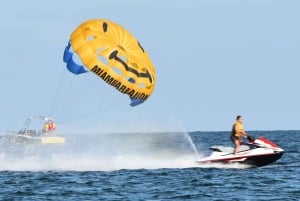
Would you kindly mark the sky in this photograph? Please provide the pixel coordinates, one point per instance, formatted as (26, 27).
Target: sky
(214, 60)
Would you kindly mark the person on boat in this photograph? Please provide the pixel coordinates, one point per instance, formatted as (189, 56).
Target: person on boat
(49, 127)
(238, 133)
(46, 127)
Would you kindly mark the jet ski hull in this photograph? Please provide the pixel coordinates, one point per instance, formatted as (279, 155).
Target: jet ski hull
(260, 153)
(253, 161)
(264, 160)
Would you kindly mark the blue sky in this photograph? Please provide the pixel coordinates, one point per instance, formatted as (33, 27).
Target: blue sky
(214, 60)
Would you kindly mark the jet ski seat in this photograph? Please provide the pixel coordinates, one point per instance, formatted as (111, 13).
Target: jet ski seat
(228, 149)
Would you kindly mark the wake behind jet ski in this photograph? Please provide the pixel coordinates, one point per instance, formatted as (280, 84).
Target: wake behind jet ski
(256, 153)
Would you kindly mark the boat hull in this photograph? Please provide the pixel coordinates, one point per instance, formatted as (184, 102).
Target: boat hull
(29, 140)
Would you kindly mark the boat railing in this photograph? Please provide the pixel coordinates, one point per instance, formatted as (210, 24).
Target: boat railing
(32, 133)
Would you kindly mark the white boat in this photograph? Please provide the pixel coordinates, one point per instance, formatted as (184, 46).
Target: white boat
(33, 132)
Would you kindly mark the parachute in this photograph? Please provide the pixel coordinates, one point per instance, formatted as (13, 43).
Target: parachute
(113, 54)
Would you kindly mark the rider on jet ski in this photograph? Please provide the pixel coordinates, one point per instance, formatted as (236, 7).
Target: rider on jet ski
(238, 133)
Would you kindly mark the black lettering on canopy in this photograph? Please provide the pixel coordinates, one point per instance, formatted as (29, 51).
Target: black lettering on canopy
(104, 27)
(114, 55)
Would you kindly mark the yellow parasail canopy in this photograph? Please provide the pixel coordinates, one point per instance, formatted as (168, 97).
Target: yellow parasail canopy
(114, 55)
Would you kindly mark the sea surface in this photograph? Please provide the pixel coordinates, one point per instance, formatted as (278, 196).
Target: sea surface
(145, 166)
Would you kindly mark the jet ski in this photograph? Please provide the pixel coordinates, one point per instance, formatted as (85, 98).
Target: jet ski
(256, 153)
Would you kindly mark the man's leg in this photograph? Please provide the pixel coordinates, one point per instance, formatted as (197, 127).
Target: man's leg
(237, 146)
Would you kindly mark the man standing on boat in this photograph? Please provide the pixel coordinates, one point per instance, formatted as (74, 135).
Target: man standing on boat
(238, 133)
(49, 127)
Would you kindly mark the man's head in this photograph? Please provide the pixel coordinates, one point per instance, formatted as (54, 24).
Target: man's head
(239, 118)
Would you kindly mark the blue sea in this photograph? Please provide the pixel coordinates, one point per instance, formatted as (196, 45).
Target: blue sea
(145, 166)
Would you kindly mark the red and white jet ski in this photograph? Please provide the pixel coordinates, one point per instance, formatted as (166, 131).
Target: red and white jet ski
(257, 152)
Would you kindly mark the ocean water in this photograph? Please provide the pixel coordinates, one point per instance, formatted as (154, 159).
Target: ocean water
(145, 166)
